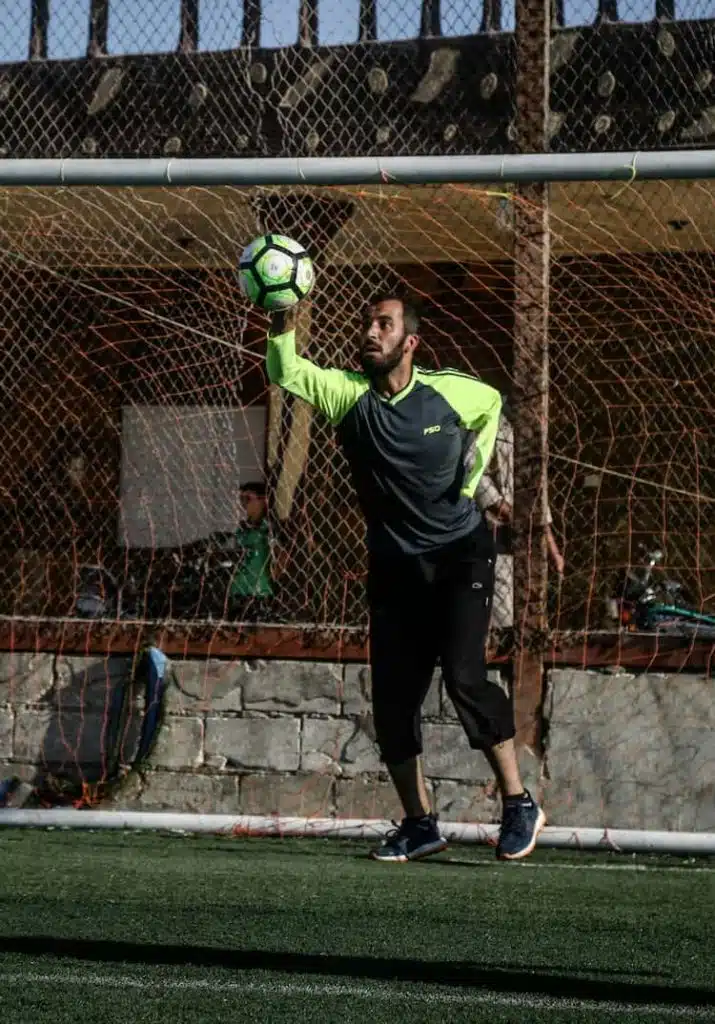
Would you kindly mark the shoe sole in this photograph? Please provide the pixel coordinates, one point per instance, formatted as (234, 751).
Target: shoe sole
(424, 851)
(540, 822)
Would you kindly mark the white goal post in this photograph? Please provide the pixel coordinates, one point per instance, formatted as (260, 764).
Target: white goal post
(552, 838)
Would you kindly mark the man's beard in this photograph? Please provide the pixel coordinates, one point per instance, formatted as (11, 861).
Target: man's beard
(381, 365)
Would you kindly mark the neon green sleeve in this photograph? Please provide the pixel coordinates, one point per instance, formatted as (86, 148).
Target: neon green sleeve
(478, 406)
(333, 392)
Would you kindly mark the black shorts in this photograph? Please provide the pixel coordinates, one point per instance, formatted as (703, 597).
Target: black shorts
(425, 608)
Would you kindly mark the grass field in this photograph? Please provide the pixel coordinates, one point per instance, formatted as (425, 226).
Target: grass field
(165, 929)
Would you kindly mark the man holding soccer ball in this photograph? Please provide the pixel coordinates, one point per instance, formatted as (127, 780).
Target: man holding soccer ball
(417, 443)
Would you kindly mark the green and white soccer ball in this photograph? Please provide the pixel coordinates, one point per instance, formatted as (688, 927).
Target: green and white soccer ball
(275, 272)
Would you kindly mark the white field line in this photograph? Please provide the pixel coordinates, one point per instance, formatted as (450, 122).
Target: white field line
(535, 865)
(371, 993)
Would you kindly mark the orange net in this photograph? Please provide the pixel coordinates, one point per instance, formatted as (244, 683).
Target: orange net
(135, 405)
(630, 412)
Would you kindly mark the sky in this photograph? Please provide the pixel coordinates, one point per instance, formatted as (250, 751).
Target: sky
(151, 26)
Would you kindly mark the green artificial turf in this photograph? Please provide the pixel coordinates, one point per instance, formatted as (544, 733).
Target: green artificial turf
(154, 928)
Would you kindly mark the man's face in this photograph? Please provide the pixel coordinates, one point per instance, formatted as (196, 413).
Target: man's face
(254, 506)
(384, 343)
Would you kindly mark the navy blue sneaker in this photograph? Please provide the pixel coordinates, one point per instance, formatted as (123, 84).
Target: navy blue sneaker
(412, 839)
(522, 820)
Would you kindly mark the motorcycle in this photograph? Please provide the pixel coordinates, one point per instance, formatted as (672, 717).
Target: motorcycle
(98, 595)
(201, 582)
(645, 601)
(192, 584)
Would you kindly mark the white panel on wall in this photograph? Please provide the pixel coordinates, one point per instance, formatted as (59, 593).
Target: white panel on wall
(181, 469)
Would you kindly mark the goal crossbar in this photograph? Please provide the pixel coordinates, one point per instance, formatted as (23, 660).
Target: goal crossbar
(408, 170)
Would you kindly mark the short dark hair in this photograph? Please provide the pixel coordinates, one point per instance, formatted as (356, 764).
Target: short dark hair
(410, 309)
(256, 487)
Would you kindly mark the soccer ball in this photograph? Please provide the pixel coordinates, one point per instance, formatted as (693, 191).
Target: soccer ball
(275, 272)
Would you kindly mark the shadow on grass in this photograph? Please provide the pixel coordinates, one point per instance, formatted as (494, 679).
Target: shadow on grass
(460, 974)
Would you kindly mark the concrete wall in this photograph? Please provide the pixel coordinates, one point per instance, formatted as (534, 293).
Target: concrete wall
(296, 738)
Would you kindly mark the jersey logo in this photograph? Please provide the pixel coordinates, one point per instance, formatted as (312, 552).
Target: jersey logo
(433, 430)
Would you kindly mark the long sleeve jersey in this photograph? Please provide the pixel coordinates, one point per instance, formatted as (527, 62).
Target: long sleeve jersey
(416, 457)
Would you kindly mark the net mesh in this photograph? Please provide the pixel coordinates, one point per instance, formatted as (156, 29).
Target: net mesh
(136, 402)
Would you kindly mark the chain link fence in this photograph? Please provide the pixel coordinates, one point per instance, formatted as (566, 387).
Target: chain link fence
(211, 78)
(627, 76)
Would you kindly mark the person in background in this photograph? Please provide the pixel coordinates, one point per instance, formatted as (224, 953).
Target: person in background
(495, 499)
(255, 547)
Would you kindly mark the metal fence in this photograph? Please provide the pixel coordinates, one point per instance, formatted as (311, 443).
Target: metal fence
(217, 78)
(65, 31)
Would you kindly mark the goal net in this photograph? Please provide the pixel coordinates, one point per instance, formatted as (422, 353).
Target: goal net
(135, 408)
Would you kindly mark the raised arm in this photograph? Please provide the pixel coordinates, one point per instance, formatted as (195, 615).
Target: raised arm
(333, 392)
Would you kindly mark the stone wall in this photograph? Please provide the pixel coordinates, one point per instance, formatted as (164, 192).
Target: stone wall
(295, 738)
(631, 751)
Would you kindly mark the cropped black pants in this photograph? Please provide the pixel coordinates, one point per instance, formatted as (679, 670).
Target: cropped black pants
(425, 608)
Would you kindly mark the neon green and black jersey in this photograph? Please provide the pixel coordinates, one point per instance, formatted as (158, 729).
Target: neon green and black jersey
(416, 458)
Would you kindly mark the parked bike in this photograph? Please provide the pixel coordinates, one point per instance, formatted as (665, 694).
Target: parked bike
(193, 584)
(646, 601)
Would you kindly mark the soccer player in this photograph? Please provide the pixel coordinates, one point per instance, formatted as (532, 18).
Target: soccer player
(407, 434)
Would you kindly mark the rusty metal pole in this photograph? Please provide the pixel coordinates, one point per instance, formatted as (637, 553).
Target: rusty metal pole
(531, 372)
(98, 28)
(39, 26)
(189, 26)
(308, 23)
